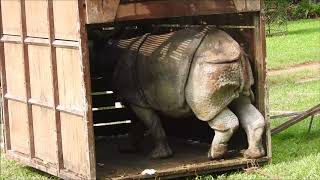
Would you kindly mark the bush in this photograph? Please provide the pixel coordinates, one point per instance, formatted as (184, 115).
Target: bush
(303, 10)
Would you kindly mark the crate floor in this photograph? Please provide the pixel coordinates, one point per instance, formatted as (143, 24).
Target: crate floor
(190, 158)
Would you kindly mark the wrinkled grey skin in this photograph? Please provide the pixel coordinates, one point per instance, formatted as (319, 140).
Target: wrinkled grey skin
(198, 71)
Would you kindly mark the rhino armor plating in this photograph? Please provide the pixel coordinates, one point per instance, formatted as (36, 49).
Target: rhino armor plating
(197, 70)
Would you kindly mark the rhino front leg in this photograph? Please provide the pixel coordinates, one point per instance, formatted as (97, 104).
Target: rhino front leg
(153, 124)
(253, 123)
(224, 124)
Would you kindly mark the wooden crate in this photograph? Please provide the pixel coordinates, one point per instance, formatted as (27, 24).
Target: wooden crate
(46, 85)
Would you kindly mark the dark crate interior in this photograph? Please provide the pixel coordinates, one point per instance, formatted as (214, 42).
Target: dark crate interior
(189, 138)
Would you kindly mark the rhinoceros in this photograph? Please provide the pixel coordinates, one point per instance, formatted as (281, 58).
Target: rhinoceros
(201, 71)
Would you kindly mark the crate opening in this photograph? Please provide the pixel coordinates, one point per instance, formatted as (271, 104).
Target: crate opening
(189, 137)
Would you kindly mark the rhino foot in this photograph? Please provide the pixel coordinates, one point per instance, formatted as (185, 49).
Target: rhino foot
(161, 151)
(217, 151)
(254, 153)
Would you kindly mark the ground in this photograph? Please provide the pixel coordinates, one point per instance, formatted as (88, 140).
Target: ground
(294, 73)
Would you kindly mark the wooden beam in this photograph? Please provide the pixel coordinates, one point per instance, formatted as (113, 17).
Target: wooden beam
(169, 8)
(101, 11)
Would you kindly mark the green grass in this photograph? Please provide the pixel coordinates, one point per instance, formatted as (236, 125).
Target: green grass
(12, 170)
(300, 45)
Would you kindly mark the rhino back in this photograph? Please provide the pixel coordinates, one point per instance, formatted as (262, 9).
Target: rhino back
(163, 65)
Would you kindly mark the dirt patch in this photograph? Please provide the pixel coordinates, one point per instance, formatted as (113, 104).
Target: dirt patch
(296, 68)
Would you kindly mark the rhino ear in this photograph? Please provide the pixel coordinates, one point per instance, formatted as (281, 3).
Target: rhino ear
(218, 47)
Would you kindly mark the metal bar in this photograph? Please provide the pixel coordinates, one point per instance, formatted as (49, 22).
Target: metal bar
(27, 78)
(3, 79)
(310, 124)
(55, 90)
(296, 119)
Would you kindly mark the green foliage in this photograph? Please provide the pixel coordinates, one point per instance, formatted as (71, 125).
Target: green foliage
(303, 10)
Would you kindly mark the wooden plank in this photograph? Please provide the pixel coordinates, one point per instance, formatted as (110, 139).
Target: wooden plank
(11, 39)
(40, 74)
(44, 134)
(37, 41)
(27, 77)
(5, 115)
(169, 8)
(14, 68)
(66, 44)
(55, 88)
(88, 118)
(11, 17)
(18, 127)
(65, 15)
(74, 143)
(36, 18)
(101, 11)
(260, 75)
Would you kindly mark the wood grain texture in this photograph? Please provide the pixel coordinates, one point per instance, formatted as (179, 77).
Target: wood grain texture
(40, 74)
(169, 8)
(66, 19)
(18, 123)
(71, 94)
(44, 134)
(101, 11)
(74, 144)
(11, 17)
(36, 18)
(14, 67)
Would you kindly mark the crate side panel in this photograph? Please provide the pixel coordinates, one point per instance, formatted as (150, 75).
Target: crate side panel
(65, 15)
(14, 67)
(44, 134)
(36, 18)
(11, 16)
(69, 78)
(18, 122)
(74, 143)
(40, 74)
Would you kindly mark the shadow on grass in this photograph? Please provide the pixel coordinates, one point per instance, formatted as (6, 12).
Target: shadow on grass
(304, 31)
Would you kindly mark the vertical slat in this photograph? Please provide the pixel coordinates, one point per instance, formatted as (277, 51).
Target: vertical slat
(55, 85)
(6, 128)
(87, 82)
(27, 77)
(260, 66)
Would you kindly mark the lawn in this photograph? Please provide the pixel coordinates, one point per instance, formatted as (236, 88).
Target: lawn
(300, 45)
(296, 154)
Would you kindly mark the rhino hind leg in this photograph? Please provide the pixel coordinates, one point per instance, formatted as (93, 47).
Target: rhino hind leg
(152, 121)
(253, 123)
(224, 124)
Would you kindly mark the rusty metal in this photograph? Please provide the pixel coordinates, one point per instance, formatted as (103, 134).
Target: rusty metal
(296, 119)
